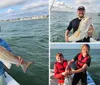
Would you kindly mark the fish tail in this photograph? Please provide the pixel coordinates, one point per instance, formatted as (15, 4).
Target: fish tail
(25, 65)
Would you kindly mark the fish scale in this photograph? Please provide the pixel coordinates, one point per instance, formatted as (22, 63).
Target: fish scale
(82, 30)
(9, 58)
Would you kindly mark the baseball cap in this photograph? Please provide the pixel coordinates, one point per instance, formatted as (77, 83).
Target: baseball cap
(81, 8)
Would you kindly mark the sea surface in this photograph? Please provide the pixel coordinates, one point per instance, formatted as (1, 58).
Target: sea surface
(94, 69)
(28, 39)
(60, 21)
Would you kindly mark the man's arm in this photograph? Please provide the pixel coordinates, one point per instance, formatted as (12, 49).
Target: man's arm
(6, 45)
(67, 31)
(66, 35)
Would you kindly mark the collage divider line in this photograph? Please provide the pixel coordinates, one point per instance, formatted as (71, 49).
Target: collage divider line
(49, 42)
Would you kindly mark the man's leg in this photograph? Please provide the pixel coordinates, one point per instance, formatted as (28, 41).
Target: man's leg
(76, 79)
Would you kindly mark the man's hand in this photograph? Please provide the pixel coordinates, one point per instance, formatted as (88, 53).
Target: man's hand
(21, 61)
(90, 31)
(66, 35)
(66, 39)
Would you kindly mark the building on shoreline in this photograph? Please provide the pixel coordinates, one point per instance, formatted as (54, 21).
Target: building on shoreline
(28, 18)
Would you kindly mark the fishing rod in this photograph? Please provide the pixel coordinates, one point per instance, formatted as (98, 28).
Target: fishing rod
(52, 5)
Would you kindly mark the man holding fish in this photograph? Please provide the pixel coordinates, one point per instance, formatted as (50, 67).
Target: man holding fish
(4, 44)
(75, 25)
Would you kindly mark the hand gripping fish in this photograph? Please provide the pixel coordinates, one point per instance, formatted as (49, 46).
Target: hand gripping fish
(9, 58)
(82, 29)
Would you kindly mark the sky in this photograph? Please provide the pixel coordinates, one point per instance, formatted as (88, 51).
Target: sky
(10, 9)
(90, 5)
(73, 46)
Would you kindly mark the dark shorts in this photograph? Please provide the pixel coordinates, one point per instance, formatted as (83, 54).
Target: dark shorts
(80, 76)
(84, 40)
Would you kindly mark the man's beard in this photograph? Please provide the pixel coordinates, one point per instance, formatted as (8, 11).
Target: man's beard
(81, 16)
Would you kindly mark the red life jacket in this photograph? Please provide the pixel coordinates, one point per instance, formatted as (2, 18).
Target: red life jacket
(61, 68)
(81, 60)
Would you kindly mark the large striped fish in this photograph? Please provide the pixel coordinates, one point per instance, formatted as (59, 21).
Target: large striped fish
(9, 58)
(82, 30)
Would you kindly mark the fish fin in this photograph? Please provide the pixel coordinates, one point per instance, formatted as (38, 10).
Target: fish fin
(25, 66)
(8, 65)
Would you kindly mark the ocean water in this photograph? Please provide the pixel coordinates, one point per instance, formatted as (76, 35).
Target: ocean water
(94, 69)
(60, 22)
(29, 39)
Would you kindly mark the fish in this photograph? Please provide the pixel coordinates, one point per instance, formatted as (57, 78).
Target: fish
(9, 58)
(82, 29)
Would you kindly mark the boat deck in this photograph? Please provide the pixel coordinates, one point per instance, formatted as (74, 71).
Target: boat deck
(53, 81)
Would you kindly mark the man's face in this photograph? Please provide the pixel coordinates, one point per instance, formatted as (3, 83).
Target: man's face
(81, 13)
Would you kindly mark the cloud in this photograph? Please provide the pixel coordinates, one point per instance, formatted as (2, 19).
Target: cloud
(22, 8)
(10, 10)
(12, 14)
(86, 2)
(61, 5)
(29, 12)
(34, 5)
(82, 2)
(8, 3)
(90, 5)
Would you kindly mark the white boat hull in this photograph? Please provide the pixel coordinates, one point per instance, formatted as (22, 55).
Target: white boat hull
(53, 81)
(10, 80)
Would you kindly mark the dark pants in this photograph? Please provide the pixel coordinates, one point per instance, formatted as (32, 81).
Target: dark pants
(84, 40)
(78, 76)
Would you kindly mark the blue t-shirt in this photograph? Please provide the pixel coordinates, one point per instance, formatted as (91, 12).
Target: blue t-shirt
(2, 70)
(4, 44)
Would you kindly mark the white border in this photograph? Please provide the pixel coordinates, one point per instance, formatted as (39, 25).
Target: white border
(49, 43)
(60, 43)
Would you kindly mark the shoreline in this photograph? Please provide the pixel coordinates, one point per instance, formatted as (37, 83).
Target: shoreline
(27, 18)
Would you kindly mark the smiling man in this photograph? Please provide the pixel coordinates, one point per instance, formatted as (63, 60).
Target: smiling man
(74, 24)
